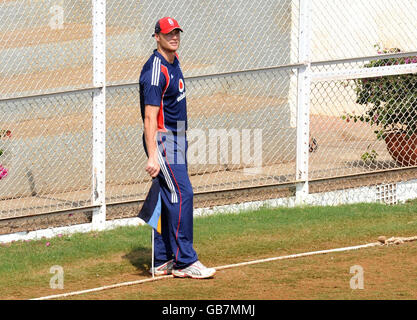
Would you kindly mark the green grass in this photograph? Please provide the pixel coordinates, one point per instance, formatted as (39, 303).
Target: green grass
(21, 256)
(219, 239)
(269, 230)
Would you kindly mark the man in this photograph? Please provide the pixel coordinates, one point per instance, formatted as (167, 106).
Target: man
(164, 112)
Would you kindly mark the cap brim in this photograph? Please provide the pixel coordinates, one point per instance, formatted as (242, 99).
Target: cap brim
(153, 35)
(169, 30)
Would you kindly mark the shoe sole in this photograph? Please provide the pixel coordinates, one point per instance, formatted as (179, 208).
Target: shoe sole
(185, 275)
(161, 273)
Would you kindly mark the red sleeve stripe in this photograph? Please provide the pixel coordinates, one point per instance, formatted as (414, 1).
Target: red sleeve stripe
(161, 118)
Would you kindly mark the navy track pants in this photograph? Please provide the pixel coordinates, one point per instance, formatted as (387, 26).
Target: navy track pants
(176, 240)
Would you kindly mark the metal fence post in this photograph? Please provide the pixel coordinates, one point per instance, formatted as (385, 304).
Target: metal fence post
(303, 102)
(99, 115)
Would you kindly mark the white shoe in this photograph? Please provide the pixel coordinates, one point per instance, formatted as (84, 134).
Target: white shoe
(163, 269)
(196, 271)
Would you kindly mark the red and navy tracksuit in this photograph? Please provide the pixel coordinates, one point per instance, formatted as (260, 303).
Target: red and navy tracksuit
(162, 85)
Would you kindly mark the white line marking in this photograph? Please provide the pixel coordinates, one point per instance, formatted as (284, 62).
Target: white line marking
(298, 255)
(117, 285)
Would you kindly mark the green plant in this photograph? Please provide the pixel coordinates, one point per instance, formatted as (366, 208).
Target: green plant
(369, 155)
(391, 101)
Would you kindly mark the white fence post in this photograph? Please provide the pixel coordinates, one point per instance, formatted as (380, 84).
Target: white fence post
(99, 114)
(303, 102)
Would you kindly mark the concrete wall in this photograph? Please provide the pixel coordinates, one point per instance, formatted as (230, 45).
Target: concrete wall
(343, 29)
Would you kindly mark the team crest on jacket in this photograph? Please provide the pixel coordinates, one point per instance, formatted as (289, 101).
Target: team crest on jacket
(181, 85)
(181, 90)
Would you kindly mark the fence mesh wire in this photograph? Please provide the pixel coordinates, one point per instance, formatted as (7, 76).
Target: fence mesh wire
(343, 142)
(234, 55)
(219, 36)
(359, 123)
(45, 46)
(348, 29)
(230, 127)
(365, 130)
(46, 149)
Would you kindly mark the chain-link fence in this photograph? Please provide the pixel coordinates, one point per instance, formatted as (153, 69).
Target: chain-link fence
(219, 35)
(230, 136)
(243, 62)
(351, 29)
(47, 153)
(365, 126)
(45, 46)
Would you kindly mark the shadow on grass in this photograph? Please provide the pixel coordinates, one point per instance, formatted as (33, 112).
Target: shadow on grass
(141, 258)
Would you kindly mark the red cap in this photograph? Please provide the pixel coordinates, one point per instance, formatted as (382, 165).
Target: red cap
(166, 25)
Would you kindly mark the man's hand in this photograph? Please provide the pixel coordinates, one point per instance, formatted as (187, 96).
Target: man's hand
(152, 167)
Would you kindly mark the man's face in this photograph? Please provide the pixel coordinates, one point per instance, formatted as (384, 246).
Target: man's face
(169, 41)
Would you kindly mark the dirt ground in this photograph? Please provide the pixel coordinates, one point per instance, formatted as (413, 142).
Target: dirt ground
(388, 273)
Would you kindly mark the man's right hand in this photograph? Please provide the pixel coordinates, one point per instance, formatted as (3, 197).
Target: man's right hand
(152, 167)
